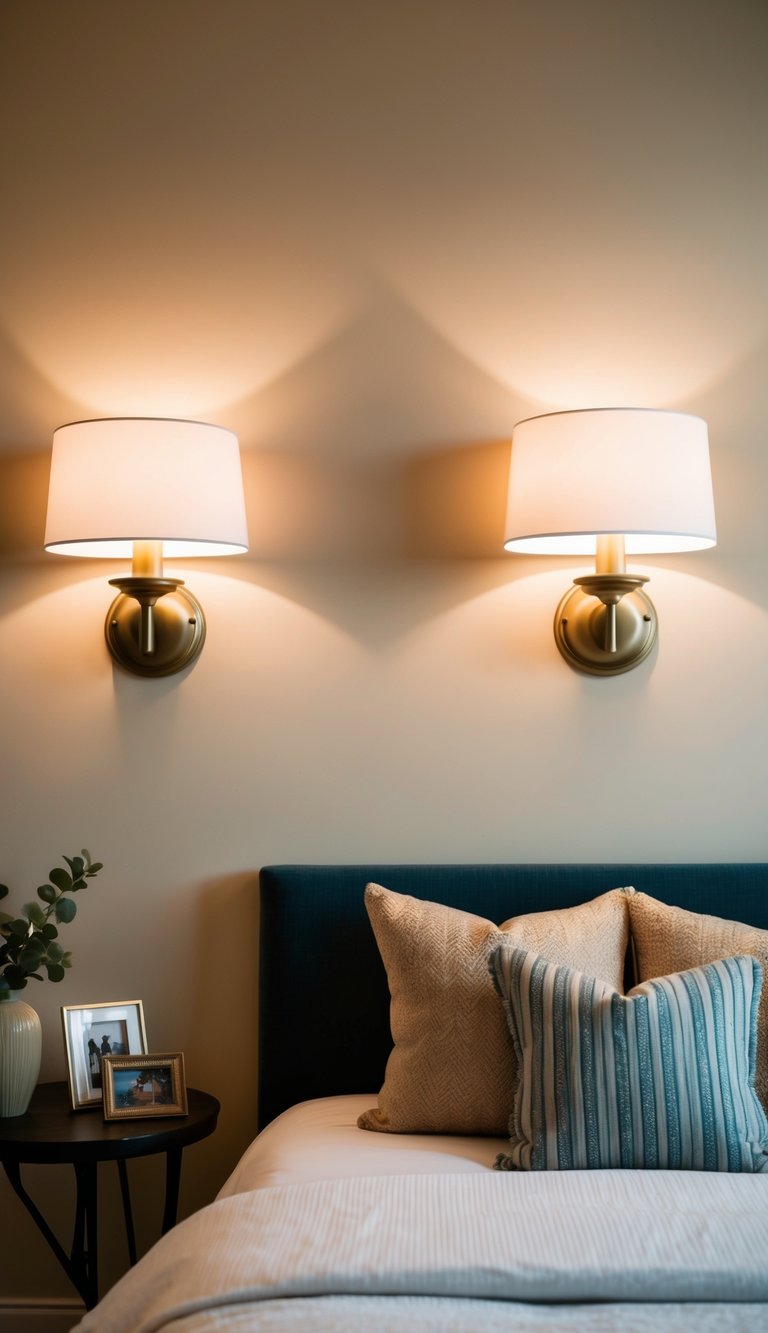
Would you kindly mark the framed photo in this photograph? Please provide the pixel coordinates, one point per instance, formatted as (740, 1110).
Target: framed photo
(93, 1031)
(153, 1085)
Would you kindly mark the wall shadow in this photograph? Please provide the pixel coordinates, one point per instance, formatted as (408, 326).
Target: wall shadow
(23, 503)
(454, 502)
(222, 1005)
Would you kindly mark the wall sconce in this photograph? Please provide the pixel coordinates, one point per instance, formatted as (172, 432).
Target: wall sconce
(142, 488)
(609, 482)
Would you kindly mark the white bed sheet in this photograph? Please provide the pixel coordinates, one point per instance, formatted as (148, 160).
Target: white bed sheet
(319, 1140)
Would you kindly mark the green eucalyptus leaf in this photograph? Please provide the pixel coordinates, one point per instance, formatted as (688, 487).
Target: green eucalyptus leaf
(32, 955)
(15, 976)
(35, 937)
(27, 939)
(65, 910)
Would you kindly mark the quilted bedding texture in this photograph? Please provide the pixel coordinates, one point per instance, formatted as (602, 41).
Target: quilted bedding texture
(460, 1252)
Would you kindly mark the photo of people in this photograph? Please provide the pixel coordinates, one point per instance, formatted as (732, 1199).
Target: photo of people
(108, 1037)
(93, 1032)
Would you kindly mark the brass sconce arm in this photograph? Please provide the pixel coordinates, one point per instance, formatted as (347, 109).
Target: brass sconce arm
(619, 632)
(148, 636)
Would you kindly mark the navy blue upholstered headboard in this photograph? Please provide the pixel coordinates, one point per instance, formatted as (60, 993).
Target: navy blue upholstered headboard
(324, 1003)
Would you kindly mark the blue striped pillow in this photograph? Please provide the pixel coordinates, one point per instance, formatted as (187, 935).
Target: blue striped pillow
(661, 1077)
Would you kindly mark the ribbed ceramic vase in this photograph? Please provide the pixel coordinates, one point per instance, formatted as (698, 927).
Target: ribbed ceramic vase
(21, 1044)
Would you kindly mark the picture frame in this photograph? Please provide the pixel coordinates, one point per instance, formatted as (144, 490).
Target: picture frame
(149, 1085)
(93, 1031)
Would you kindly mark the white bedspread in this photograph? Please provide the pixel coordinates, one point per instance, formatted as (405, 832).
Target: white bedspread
(428, 1314)
(319, 1140)
(315, 1254)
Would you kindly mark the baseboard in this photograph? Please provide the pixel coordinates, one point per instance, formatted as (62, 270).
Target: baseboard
(41, 1316)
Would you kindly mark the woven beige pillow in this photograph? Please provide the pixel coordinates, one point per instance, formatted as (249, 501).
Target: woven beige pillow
(452, 1067)
(669, 939)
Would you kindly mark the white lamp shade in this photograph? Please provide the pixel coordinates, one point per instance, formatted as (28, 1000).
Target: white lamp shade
(632, 471)
(127, 479)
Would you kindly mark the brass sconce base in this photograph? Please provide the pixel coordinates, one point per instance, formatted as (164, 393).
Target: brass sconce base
(155, 627)
(606, 624)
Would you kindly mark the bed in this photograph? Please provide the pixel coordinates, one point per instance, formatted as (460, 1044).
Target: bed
(324, 1225)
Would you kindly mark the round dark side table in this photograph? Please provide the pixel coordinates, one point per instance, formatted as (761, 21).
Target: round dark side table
(51, 1132)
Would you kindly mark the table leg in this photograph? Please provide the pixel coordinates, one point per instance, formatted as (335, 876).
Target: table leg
(127, 1211)
(172, 1179)
(78, 1231)
(80, 1266)
(85, 1256)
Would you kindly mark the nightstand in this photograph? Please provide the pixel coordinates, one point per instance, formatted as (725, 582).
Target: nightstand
(51, 1132)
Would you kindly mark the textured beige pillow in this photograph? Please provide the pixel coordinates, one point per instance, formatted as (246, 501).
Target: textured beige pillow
(668, 939)
(452, 1068)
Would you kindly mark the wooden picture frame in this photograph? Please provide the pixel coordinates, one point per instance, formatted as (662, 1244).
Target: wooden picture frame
(149, 1085)
(93, 1031)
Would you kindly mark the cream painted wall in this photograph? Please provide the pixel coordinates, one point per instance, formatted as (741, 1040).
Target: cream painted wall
(368, 237)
